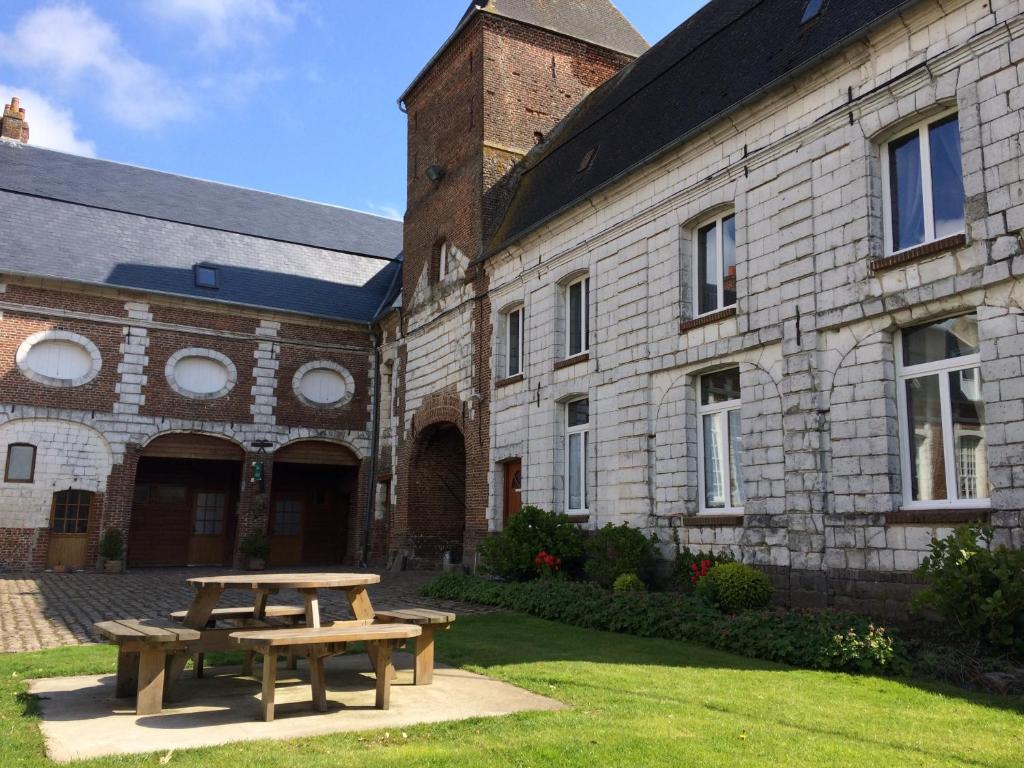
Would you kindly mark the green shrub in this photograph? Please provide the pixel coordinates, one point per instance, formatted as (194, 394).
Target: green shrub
(735, 587)
(255, 545)
(629, 582)
(802, 639)
(683, 574)
(618, 549)
(111, 545)
(511, 553)
(978, 589)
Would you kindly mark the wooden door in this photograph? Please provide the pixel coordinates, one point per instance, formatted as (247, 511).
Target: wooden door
(286, 519)
(209, 526)
(513, 489)
(69, 528)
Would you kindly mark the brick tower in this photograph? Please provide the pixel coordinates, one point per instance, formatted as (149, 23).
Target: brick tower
(510, 71)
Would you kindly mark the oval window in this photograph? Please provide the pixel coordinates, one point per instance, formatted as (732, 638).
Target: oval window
(201, 375)
(323, 386)
(57, 359)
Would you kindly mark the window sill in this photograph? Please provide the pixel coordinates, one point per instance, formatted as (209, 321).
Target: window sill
(571, 361)
(713, 521)
(509, 381)
(947, 516)
(578, 518)
(919, 252)
(708, 319)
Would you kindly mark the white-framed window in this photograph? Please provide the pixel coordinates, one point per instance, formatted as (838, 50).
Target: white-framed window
(923, 185)
(720, 443)
(577, 317)
(714, 269)
(942, 416)
(577, 442)
(514, 341)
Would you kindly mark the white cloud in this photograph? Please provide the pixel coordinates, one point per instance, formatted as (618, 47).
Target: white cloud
(74, 45)
(387, 211)
(224, 23)
(50, 126)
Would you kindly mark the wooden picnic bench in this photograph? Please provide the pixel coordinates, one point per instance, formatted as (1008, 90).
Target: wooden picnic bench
(429, 621)
(318, 643)
(142, 658)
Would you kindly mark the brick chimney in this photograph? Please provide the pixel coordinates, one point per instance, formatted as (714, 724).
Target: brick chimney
(12, 124)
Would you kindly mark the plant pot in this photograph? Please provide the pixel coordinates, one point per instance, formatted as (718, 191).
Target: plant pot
(113, 566)
(255, 564)
(60, 568)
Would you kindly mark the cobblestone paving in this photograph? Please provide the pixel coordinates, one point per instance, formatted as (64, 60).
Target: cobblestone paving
(46, 610)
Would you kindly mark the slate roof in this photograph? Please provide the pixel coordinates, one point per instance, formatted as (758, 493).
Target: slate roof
(594, 21)
(723, 56)
(94, 221)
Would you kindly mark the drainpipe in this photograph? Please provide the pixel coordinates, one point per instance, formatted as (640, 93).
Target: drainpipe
(371, 479)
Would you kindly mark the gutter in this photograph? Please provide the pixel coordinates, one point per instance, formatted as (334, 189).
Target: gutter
(690, 134)
(371, 474)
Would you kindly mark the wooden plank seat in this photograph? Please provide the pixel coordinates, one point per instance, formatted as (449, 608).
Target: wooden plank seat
(423, 652)
(317, 643)
(241, 616)
(144, 648)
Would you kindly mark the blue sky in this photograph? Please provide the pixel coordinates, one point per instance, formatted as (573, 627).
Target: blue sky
(291, 96)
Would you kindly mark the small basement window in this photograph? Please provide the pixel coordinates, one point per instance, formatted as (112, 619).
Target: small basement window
(205, 276)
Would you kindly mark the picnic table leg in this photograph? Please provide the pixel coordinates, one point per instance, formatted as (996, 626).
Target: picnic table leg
(197, 617)
(359, 601)
(127, 674)
(317, 678)
(423, 670)
(259, 610)
(385, 674)
(247, 663)
(292, 660)
(312, 607)
(269, 680)
(199, 663)
(149, 700)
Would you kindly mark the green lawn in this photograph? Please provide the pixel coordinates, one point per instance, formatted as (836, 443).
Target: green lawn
(635, 702)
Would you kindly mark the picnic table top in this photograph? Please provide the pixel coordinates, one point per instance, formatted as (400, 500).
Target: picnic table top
(258, 581)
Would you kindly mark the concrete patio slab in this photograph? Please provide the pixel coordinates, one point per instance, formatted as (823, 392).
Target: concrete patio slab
(82, 719)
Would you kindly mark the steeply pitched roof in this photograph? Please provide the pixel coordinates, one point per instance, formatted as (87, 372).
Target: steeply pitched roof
(594, 21)
(720, 58)
(140, 191)
(271, 252)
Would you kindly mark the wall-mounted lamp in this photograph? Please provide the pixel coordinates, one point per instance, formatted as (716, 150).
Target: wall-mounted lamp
(257, 466)
(435, 173)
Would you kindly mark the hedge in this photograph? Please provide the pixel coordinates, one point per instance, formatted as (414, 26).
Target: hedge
(826, 640)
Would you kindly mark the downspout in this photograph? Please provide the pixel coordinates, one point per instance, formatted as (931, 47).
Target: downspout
(371, 478)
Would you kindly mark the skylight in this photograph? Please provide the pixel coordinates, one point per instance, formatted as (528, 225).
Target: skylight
(205, 276)
(813, 9)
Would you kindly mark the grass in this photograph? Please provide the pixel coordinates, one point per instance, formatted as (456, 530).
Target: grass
(634, 702)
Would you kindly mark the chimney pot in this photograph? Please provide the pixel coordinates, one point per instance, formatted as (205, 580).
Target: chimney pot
(12, 124)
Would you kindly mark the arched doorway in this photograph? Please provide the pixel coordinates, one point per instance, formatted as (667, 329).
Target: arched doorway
(185, 507)
(313, 493)
(437, 495)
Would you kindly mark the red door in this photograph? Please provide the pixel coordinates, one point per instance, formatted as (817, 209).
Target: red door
(513, 489)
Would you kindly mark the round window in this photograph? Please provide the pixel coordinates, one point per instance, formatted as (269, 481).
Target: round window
(201, 373)
(323, 383)
(58, 359)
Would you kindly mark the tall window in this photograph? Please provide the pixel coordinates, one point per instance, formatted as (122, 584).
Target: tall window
(445, 259)
(922, 185)
(715, 270)
(287, 517)
(71, 511)
(577, 440)
(209, 514)
(942, 415)
(720, 447)
(577, 325)
(514, 342)
(21, 463)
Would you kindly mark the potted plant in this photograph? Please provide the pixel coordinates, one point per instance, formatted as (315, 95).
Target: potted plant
(255, 547)
(112, 551)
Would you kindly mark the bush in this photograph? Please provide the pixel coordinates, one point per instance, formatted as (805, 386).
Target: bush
(511, 553)
(811, 640)
(255, 545)
(615, 550)
(978, 589)
(111, 545)
(683, 572)
(629, 582)
(735, 587)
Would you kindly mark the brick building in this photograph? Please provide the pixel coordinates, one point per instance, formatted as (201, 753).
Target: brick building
(756, 288)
